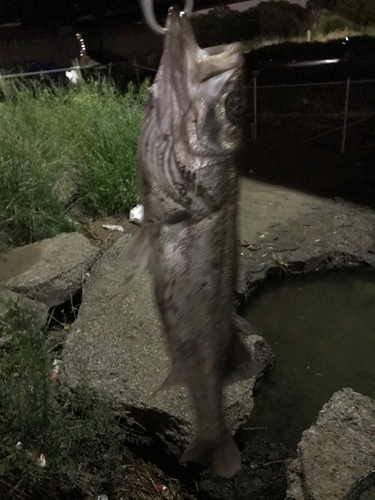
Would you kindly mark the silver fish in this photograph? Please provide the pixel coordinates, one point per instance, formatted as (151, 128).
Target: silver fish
(188, 187)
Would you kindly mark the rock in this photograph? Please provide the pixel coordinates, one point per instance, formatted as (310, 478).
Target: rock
(336, 451)
(295, 488)
(263, 355)
(8, 299)
(287, 232)
(50, 271)
(117, 345)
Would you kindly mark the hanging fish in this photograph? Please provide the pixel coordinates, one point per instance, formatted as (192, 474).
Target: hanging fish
(188, 185)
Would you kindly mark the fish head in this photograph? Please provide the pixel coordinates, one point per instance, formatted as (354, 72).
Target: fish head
(199, 90)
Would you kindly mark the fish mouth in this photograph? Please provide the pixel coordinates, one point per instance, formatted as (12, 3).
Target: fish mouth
(215, 64)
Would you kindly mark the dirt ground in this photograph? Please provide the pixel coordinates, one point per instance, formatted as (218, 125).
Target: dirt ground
(260, 204)
(100, 236)
(261, 207)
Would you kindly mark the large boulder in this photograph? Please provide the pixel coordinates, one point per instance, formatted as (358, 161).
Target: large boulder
(50, 271)
(336, 451)
(117, 345)
(9, 300)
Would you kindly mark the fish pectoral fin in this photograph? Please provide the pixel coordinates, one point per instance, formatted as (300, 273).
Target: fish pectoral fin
(241, 364)
(173, 378)
(138, 258)
(221, 456)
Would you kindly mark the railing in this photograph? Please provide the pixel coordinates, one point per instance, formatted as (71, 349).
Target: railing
(347, 84)
(133, 64)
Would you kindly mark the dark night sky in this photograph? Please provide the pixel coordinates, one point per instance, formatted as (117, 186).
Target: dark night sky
(68, 11)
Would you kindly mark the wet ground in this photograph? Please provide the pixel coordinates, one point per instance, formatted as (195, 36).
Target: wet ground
(321, 329)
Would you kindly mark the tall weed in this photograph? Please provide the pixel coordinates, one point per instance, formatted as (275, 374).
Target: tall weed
(80, 433)
(88, 131)
(109, 130)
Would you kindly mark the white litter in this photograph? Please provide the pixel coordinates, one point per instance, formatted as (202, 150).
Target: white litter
(41, 461)
(112, 227)
(73, 76)
(137, 214)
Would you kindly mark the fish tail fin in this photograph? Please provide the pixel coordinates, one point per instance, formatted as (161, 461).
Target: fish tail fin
(221, 456)
(138, 258)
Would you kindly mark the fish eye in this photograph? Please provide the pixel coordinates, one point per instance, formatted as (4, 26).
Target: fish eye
(235, 106)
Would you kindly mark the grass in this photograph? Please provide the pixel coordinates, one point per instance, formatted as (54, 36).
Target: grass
(316, 36)
(75, 145)
(60, 444)
(81, 435)
(84, 136)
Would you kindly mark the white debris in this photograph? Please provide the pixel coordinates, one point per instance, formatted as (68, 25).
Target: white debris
(113, 227)
(73, 76)
(41, 461)
(56, 368)
(39, 458)
(137, 214)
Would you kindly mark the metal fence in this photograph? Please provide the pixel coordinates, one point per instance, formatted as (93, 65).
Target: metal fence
(133, 64)
(347, 109)
(341, 100)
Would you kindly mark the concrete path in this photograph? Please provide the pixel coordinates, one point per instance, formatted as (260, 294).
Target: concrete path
(262, 205)
(286, 231)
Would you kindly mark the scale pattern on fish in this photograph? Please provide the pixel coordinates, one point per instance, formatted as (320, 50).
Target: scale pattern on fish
(188, 185)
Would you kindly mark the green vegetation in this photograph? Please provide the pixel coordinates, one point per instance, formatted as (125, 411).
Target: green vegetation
(279, 20)
(320, 4)
(80, 434)
(84, 135)
(334, 22)
(361, 12)
(267, 19)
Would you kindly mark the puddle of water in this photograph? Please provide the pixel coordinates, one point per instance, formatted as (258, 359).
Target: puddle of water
(322, 331)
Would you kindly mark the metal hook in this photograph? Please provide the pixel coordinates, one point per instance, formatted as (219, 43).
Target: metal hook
(149, 14)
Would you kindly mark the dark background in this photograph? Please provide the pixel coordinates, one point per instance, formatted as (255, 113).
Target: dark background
(68, 11)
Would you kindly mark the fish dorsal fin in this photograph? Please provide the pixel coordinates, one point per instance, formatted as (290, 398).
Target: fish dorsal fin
(138, 258)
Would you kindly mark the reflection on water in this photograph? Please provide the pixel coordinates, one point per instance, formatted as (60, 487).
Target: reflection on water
(322, 331)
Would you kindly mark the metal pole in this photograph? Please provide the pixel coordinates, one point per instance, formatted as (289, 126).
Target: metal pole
(345, 115)
(255, 107)
(135, 65)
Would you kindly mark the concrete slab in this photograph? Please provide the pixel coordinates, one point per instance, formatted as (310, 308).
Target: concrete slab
(117, 345)
(336, 451)
(50, 271)
(284, 231)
